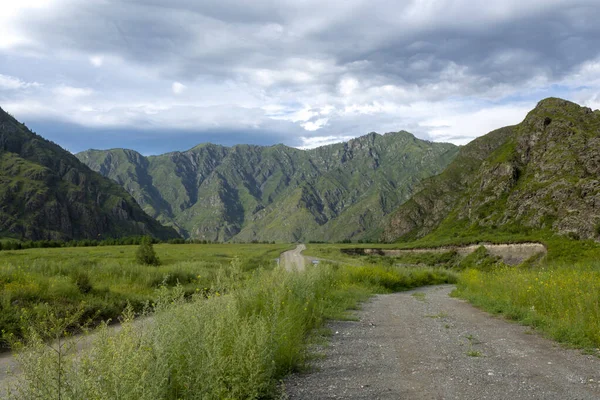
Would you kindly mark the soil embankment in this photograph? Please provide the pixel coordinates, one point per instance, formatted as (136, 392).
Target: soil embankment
(511, 254)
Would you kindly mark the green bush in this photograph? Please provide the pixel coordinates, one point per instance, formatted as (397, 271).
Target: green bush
(145, 253)
(82, 281)
(480, 259)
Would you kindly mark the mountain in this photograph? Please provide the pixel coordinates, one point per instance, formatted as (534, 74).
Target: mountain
(245, 192)
(47, 193)
(543, 174)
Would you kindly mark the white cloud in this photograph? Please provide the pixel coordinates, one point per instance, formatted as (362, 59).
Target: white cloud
(96, 61)
(178, 88)
(72, 92)
(348, 85)
(12, 83)
(315, 125)
(460, 126)
(11, 34)
(318, 141)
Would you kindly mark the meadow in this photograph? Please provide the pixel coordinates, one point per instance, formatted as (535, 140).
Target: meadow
(98, 282)
(236, 339)
(233, 327)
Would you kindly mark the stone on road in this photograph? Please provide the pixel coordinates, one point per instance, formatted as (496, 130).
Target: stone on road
(433, 346)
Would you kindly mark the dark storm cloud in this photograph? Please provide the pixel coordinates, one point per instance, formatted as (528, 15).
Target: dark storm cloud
(305, 69)
(192, 38)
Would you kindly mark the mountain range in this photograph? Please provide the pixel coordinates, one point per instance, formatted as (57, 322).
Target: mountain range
(277, 193)
(540, 175)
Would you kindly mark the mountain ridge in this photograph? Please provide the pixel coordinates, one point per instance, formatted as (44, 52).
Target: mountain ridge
(250, 192)
(539, 175)
(47, 193)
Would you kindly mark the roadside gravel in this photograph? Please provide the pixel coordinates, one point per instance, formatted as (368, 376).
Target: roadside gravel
(432, 346)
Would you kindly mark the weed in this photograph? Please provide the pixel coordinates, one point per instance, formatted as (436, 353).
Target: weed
(419, 296)
(102, 280)
(561, 301)
(437, 316)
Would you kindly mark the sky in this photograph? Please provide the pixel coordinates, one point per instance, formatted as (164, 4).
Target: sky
(166, 75)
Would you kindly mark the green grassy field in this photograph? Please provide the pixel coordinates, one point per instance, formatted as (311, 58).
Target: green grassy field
(236, 340)
(98, 282)
(235, 326)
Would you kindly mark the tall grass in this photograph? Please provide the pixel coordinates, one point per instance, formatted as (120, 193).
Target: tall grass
(98, 282)
(221, 346)
(563, 301)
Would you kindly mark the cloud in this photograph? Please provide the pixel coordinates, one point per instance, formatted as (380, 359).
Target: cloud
(443, 69)
(72, 92)
(12, 83)
(178, 88)
(315, 125)
(96, 61)
(318, 141)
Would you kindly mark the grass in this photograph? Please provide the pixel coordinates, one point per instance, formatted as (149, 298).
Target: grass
(557, 294)
(214, 346)
(562, 301)
(98, 282)
(419, 296)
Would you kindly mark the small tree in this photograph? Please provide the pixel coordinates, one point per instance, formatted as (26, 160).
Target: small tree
(145, 254)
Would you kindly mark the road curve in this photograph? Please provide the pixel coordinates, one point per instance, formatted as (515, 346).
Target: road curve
(293, 260)
(433, 346)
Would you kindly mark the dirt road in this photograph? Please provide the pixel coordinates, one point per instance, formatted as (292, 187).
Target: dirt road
(293, 259)
(7, 362)
(431, 346)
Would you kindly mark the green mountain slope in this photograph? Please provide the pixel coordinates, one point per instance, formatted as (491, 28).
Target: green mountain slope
(543, 174)
(47, 193)
(277, 193)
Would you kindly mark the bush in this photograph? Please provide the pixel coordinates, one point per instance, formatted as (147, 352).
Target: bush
(82, 281)
(145, 254)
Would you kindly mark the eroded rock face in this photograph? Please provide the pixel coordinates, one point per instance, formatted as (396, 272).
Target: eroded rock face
(543, 175)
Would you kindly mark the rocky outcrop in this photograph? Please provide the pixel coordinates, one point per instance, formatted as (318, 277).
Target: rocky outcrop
(542, 175)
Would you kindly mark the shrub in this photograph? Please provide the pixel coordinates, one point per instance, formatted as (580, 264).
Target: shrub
(145, 253)
(82, 281)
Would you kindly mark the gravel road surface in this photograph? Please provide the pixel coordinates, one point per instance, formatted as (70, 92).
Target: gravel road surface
(293, 259)
(432, 346)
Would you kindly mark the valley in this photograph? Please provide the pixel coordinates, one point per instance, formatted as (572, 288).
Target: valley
(508, 223)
